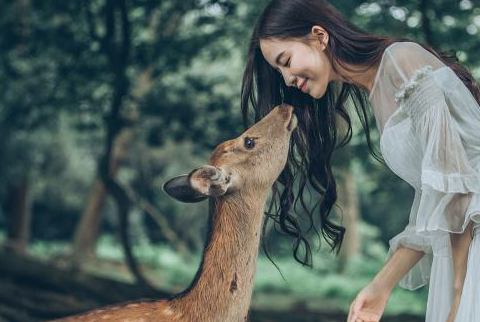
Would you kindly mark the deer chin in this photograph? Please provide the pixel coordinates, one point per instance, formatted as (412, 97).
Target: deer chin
(292, 124)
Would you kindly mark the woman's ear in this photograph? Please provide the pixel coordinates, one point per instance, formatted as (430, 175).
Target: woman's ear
(321, 34)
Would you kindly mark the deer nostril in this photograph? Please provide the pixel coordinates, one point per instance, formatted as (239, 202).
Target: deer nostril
(286, 111)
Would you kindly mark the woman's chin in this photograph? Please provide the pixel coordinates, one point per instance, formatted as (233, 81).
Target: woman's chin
(316, 95)
(316, 92)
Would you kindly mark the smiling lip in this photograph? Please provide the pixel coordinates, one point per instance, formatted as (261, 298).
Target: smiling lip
(303, 86)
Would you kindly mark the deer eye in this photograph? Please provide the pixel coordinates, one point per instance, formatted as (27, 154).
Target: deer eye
(249, 143)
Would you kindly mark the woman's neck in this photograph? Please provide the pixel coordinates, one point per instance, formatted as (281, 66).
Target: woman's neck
(360, 77)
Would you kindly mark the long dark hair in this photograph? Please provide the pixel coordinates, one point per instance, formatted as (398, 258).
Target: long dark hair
(314, 141)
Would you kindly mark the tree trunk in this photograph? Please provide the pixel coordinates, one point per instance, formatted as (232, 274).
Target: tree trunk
(88, 230)
(116, 46)
(18, 210)
(18, 217)
(349, 202)
(426, 24)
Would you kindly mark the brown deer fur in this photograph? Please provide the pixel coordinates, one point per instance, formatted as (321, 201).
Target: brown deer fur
(237, 181)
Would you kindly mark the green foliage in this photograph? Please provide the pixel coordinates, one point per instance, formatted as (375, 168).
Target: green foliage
(319, 289)
(183, 77)
(46, 250)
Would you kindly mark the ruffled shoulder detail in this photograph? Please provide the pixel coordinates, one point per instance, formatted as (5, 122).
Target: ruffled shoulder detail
(408, 87)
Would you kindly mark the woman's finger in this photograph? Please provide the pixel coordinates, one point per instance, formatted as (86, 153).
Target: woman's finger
(356, 309)
(357, 306)
(350, 310)
(369, 317)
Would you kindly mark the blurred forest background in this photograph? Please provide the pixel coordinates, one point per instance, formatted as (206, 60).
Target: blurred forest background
(102, 101)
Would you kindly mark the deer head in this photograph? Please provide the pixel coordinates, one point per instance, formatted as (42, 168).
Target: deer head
(252, 162)
(240, 173)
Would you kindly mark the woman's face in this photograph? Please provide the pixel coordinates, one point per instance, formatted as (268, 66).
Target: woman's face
(304, 66)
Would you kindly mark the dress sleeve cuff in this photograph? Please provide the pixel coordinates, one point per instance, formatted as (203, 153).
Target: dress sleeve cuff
(419, 274)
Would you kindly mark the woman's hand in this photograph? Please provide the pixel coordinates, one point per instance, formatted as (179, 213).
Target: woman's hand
(454, 309)
(369, 304)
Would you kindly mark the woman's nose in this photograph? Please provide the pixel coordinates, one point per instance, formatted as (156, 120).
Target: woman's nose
(290, 80)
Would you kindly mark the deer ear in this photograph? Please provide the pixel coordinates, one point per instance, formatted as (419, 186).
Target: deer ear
(180, 189)
(211, 181)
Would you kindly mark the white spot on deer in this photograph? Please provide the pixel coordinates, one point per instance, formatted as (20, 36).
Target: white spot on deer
(168, 311)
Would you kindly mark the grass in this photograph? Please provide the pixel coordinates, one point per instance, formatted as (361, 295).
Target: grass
(319, 289)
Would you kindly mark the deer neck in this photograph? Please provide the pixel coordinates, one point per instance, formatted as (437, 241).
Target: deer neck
(224, 282)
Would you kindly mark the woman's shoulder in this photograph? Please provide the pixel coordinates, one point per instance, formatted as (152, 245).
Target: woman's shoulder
(406, 58)
(400, 55)
(405, 48)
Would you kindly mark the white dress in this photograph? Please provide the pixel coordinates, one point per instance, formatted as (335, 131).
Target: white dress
(429, 126)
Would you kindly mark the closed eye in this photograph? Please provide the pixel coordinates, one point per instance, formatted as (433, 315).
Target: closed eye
(287, 64)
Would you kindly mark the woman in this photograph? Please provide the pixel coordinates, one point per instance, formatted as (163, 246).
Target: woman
(303, 52)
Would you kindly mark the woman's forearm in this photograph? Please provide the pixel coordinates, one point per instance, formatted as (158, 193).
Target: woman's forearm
(460, 245)
(402, 260)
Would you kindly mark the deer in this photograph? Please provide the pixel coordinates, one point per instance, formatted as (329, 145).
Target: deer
(236, 182)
